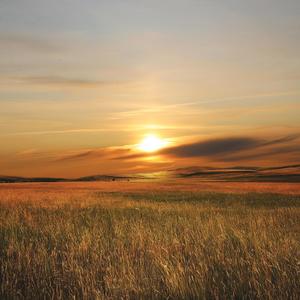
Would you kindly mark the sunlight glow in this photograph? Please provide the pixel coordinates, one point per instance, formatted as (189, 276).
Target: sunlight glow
(151, 143)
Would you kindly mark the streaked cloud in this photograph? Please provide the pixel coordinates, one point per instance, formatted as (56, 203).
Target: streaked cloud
(270, 153)
(227, 149)
(204, 101)
(88, 154)
(213, 147)
(26, 42)
(60, 81)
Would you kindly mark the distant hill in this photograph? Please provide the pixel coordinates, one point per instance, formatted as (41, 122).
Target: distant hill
(289, 173)
(15, 179)
(103, 178)
(11, 179)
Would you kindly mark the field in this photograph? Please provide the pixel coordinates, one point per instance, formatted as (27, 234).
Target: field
(156, 240)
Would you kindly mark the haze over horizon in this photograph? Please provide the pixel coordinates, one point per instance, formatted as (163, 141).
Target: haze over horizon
(120, 87)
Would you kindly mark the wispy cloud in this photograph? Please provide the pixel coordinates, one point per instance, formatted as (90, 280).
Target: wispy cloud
(137, 128)
(62, 131)
(226, 149)
(18, 41)
(88, 154)
(64, 81)
(229, 146)
(264, 153)
(213, 147)
(282, 140)
(161, 108)
(80, 155)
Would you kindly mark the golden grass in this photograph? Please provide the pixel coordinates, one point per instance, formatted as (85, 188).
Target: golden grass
(63, 243)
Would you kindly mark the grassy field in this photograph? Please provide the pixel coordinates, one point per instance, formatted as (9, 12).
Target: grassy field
(63, 241)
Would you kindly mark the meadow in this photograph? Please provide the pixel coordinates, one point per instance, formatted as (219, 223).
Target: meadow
(126, 240)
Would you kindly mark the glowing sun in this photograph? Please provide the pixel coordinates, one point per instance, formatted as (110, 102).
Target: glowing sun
(151, 143)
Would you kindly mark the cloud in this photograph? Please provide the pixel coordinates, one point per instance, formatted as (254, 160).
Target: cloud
(226, 149)
(62, 131)
(282, 140)
(66, 81)
(213, 147)
(80, 155)
(101, 153)
(132, 156)
(11, 41)
(168, 107)
(264, 153)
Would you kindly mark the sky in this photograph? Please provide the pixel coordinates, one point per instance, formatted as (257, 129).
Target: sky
(82, 83)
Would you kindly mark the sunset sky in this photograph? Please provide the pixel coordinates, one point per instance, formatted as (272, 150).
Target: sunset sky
(88, 87)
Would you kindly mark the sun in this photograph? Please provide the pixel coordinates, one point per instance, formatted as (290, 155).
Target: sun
(151, 143)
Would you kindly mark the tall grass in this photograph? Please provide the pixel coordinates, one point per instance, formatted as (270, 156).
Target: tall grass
(168, 245)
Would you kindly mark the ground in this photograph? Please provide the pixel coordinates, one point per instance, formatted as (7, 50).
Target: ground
(179, 239)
